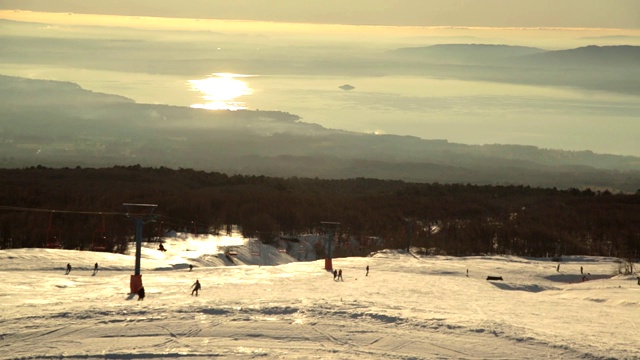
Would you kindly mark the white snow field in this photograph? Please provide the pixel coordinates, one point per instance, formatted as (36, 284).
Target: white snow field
(267, 305)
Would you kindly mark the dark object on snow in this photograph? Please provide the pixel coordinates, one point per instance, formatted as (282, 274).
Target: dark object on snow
(340, 275)
(68, 269)
(161, 248)
(141, 293)
(190, 267)
(347, 87)
(335, 274)
(638, 280)
(494, 278)
(196, 286)
(558, 268)
(367, 274)
(581, 270)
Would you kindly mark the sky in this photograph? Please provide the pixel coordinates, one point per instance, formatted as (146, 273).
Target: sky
(476, 13)
(270, 306)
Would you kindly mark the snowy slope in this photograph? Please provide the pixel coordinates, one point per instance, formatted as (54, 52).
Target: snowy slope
(407, 308)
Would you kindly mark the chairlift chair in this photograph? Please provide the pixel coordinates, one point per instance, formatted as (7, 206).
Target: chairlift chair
(53, 236)
(255, 247)
(100, 238)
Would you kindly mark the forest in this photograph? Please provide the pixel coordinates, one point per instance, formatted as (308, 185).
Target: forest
(82, 208)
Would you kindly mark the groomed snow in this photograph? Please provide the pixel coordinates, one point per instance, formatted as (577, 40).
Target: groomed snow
(267, 305)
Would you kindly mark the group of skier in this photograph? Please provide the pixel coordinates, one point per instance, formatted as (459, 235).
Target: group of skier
(337, 274)
(196, 287)
(95, 269)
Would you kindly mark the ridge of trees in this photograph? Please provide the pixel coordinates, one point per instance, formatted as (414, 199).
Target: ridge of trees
(81, 208)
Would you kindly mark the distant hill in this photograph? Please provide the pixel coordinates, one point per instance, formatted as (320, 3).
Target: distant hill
(589, 56)
(39, 126)
(468, 53)
(484, 53)
(602, 68)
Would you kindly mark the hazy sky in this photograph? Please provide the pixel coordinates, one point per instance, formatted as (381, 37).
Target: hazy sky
(492, 13)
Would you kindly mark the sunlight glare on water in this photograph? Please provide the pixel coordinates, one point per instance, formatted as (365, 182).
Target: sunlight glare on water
(221, 91)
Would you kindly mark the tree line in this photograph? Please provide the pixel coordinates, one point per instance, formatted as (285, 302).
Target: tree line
(82, 208)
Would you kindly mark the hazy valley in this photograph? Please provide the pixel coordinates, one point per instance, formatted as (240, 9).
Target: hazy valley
(62, 125)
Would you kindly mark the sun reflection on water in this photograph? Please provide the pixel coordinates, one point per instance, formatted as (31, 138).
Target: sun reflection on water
(221, 91)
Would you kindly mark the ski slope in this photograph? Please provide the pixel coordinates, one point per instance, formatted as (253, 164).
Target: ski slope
(269, 305)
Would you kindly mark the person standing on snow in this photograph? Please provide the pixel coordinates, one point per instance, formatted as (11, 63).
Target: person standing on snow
(95, 268)
(68, 269)
(367, 274)
(335, 274)
(340, 275)
(196, 286)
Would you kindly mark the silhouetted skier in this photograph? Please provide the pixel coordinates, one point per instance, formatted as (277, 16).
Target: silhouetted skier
(335, 274)
(367, 274)
(581, 271)
(190, 267)
(161, 248)
(141, 293)
(95, 268)
(68, 269)
(340, 275)
(196, 286)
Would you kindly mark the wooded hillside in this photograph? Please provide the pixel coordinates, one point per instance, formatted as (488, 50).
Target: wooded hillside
(83, 208)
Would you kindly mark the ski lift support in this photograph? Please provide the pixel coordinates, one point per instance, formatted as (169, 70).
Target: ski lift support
(330, 227)
(146, 215)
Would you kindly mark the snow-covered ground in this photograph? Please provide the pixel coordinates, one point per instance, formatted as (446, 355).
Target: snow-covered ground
(265, 304)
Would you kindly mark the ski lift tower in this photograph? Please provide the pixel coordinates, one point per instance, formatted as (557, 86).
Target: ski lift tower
(143, 214)
(330, 228)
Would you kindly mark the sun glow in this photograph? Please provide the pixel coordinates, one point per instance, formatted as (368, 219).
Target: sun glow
(221, 91)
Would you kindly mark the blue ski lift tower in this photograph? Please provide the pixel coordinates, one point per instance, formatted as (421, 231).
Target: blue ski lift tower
(141, 213)
(330, 229)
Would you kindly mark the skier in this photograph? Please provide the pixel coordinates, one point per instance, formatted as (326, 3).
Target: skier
(340, 275)
(335, 274)
(68, 269)
(141, 293)
(367, 274)
(161, 248)
(95, 268)
(190, 267)
(196, 286)
(581, 271)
